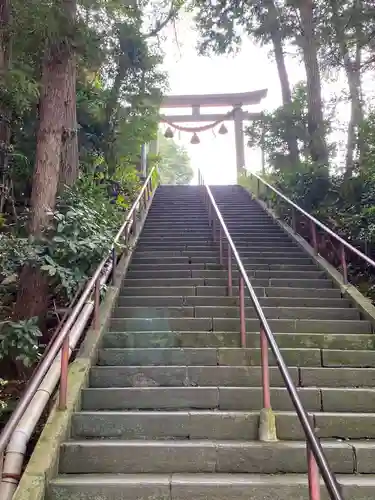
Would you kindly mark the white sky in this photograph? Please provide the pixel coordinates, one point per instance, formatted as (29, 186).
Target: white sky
(251, 69)
(190, 73)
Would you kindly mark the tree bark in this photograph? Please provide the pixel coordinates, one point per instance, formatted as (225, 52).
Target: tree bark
(5, 115)
(32, 297)
(69, 169)
(354, 143)
(318, 146)
(286, 93)
(352, 68)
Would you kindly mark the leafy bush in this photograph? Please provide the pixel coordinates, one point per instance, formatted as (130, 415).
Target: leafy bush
(81, 232)
(3, 404)
(85, 223)
(19, 341)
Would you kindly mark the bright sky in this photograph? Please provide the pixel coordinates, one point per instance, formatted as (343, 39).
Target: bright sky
(251, 69)
(189, 73)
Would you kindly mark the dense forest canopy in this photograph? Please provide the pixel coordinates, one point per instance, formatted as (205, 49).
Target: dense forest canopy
(80, 87)
(335, 42)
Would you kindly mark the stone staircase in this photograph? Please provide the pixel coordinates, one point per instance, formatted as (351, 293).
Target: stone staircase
(172, 407)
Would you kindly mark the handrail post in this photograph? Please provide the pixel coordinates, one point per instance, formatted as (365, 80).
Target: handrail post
(230, 287)
(265, 370)
(344, 264)
(97, 305)
(313, 235)
(267, 420)
(63, 389)
(221, 245)
(114, 265)
(134, 228)
(294, 222)
(242, 312)
(313, 475)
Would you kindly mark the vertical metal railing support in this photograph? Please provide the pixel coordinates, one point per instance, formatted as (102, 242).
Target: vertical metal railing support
(265, 370)
(114, 265)
(230, 283)
(214, 227)
(314, 236)
(313, 475)
(294, 222)
(221, 246)
(242, 311)
(97, 304)
(344, 264)
(63, 389)
(134, 224)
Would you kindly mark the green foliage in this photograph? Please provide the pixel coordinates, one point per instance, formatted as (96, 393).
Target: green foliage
(19, 341)
(174, 164)
(3, 404)
(81, 233)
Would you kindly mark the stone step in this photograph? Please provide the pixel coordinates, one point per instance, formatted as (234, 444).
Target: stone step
(234, 357)
(225, 311)
(226, 376)
(180, 266)
(312, 274)
(217, 301)
(177, 253)
(193, 376)
(141, 456)
(233, 425)
(274, 257)
(165, 230)
(177, 260)
(255, 282)
(222, 291)
(184, 263)
(249, 248)
(327, 399)
(201, 238)
(136, 339)
(232, 325)
(200, 487)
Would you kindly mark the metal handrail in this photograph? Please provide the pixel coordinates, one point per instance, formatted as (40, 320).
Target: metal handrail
(313, 442)
(344, 244)
(62, 339)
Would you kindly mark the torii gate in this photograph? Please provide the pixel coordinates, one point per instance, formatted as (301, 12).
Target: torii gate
(237, 114)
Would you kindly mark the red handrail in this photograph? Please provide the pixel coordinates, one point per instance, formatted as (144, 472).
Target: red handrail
(314, 223)
(61, 341)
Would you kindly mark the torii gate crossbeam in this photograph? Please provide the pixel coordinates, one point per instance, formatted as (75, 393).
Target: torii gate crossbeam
(236, 101)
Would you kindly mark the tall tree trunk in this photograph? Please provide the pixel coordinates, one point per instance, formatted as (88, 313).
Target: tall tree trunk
(32, 297)
(69, 169)
(353, 75)
(33, 289)
(5, 115)
(354, 143)
(316, 129)
(277, 41)
(69, 156)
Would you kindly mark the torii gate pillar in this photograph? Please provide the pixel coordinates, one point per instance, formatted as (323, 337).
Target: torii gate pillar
(236, 101)
(239, 141)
